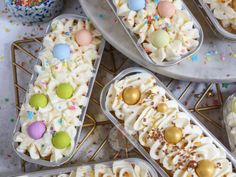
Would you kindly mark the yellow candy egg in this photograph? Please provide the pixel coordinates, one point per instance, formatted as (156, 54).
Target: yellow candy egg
(173, 135)
(131, 95)
(205, 168)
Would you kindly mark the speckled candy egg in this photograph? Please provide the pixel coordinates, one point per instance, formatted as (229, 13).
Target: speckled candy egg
(36, 130)
(166, 9)
(159, 38)
(83, 37)
(136, 5)
(61, 51)
(61, 140)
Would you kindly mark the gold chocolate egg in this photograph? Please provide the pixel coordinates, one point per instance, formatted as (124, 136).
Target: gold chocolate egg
(173, 135)
(205, 168)
(131, 95)
(162, 107)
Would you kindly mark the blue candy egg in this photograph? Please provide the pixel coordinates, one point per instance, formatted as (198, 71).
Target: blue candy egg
(136, 4)
(61, 51)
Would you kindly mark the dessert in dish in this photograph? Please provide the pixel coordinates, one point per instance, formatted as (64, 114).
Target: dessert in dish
(167, 133)
(117, 169)
(230, 121)
(165, 30)
(225, 12)
(50, 115)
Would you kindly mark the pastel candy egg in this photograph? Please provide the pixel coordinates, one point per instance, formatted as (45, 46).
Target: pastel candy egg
(136, 4)
(83, 37)
(61, 140)
(36, 130)
(64, 91)
(160, 38)
(166, 9)
(61, 51)
(38, 100)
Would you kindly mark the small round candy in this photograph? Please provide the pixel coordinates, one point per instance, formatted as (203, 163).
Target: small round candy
(36, 130)
(173, 135)
(131, 95)
(61, 140)
(83, 37)
(136, 5)
(61, 51)
(160, 38)
(162, 107)
(64, 91)
(166, 9)
(205, 168)
(38, 101)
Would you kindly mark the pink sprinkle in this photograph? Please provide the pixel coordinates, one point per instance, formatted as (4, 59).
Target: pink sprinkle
(222, 57)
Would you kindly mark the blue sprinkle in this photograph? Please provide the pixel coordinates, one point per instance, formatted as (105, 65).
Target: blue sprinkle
(195, 57)
(30, 115)
(156, 17)
(156, 1)
(60, 121)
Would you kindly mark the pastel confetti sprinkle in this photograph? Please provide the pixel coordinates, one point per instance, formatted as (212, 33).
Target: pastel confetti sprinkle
(7, 30)
(101, 16)
(195, 57)
(222, 57)
(1, 58)
(225, 85)
(234, 55)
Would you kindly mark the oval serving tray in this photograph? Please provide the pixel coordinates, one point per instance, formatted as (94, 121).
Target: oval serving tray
(133, 139)
(140, 162)
(140, 48)
(84, 109)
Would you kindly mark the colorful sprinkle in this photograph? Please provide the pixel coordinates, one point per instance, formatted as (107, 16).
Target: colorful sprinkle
(30, 115)
(195, 57)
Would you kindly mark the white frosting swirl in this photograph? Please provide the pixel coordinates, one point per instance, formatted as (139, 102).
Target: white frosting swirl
(225, 12)
(117, 169)
(149, 125)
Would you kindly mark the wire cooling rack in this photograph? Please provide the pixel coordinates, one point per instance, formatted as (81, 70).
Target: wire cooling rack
(193, 95)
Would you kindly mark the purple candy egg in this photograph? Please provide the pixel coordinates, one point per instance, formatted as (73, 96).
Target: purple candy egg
(36, 130)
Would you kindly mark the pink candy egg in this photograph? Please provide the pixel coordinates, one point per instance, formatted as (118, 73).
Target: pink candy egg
(83, 37)
(36, 130)
(166, 9)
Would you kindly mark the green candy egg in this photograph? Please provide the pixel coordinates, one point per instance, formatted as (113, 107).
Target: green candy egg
(64, 91)
(61, 140)
(38, 100)
(160, 38)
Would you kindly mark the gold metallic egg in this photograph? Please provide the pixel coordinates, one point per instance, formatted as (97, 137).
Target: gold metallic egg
(205, 168)
(173, 135)
(162, 107)
(131, 95)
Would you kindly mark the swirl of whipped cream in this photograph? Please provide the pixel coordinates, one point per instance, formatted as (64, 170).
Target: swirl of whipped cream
(149, 126)
(183, 35)
(117, 169)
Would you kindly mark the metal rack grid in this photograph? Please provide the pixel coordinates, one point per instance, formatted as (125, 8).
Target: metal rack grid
(91, 123)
